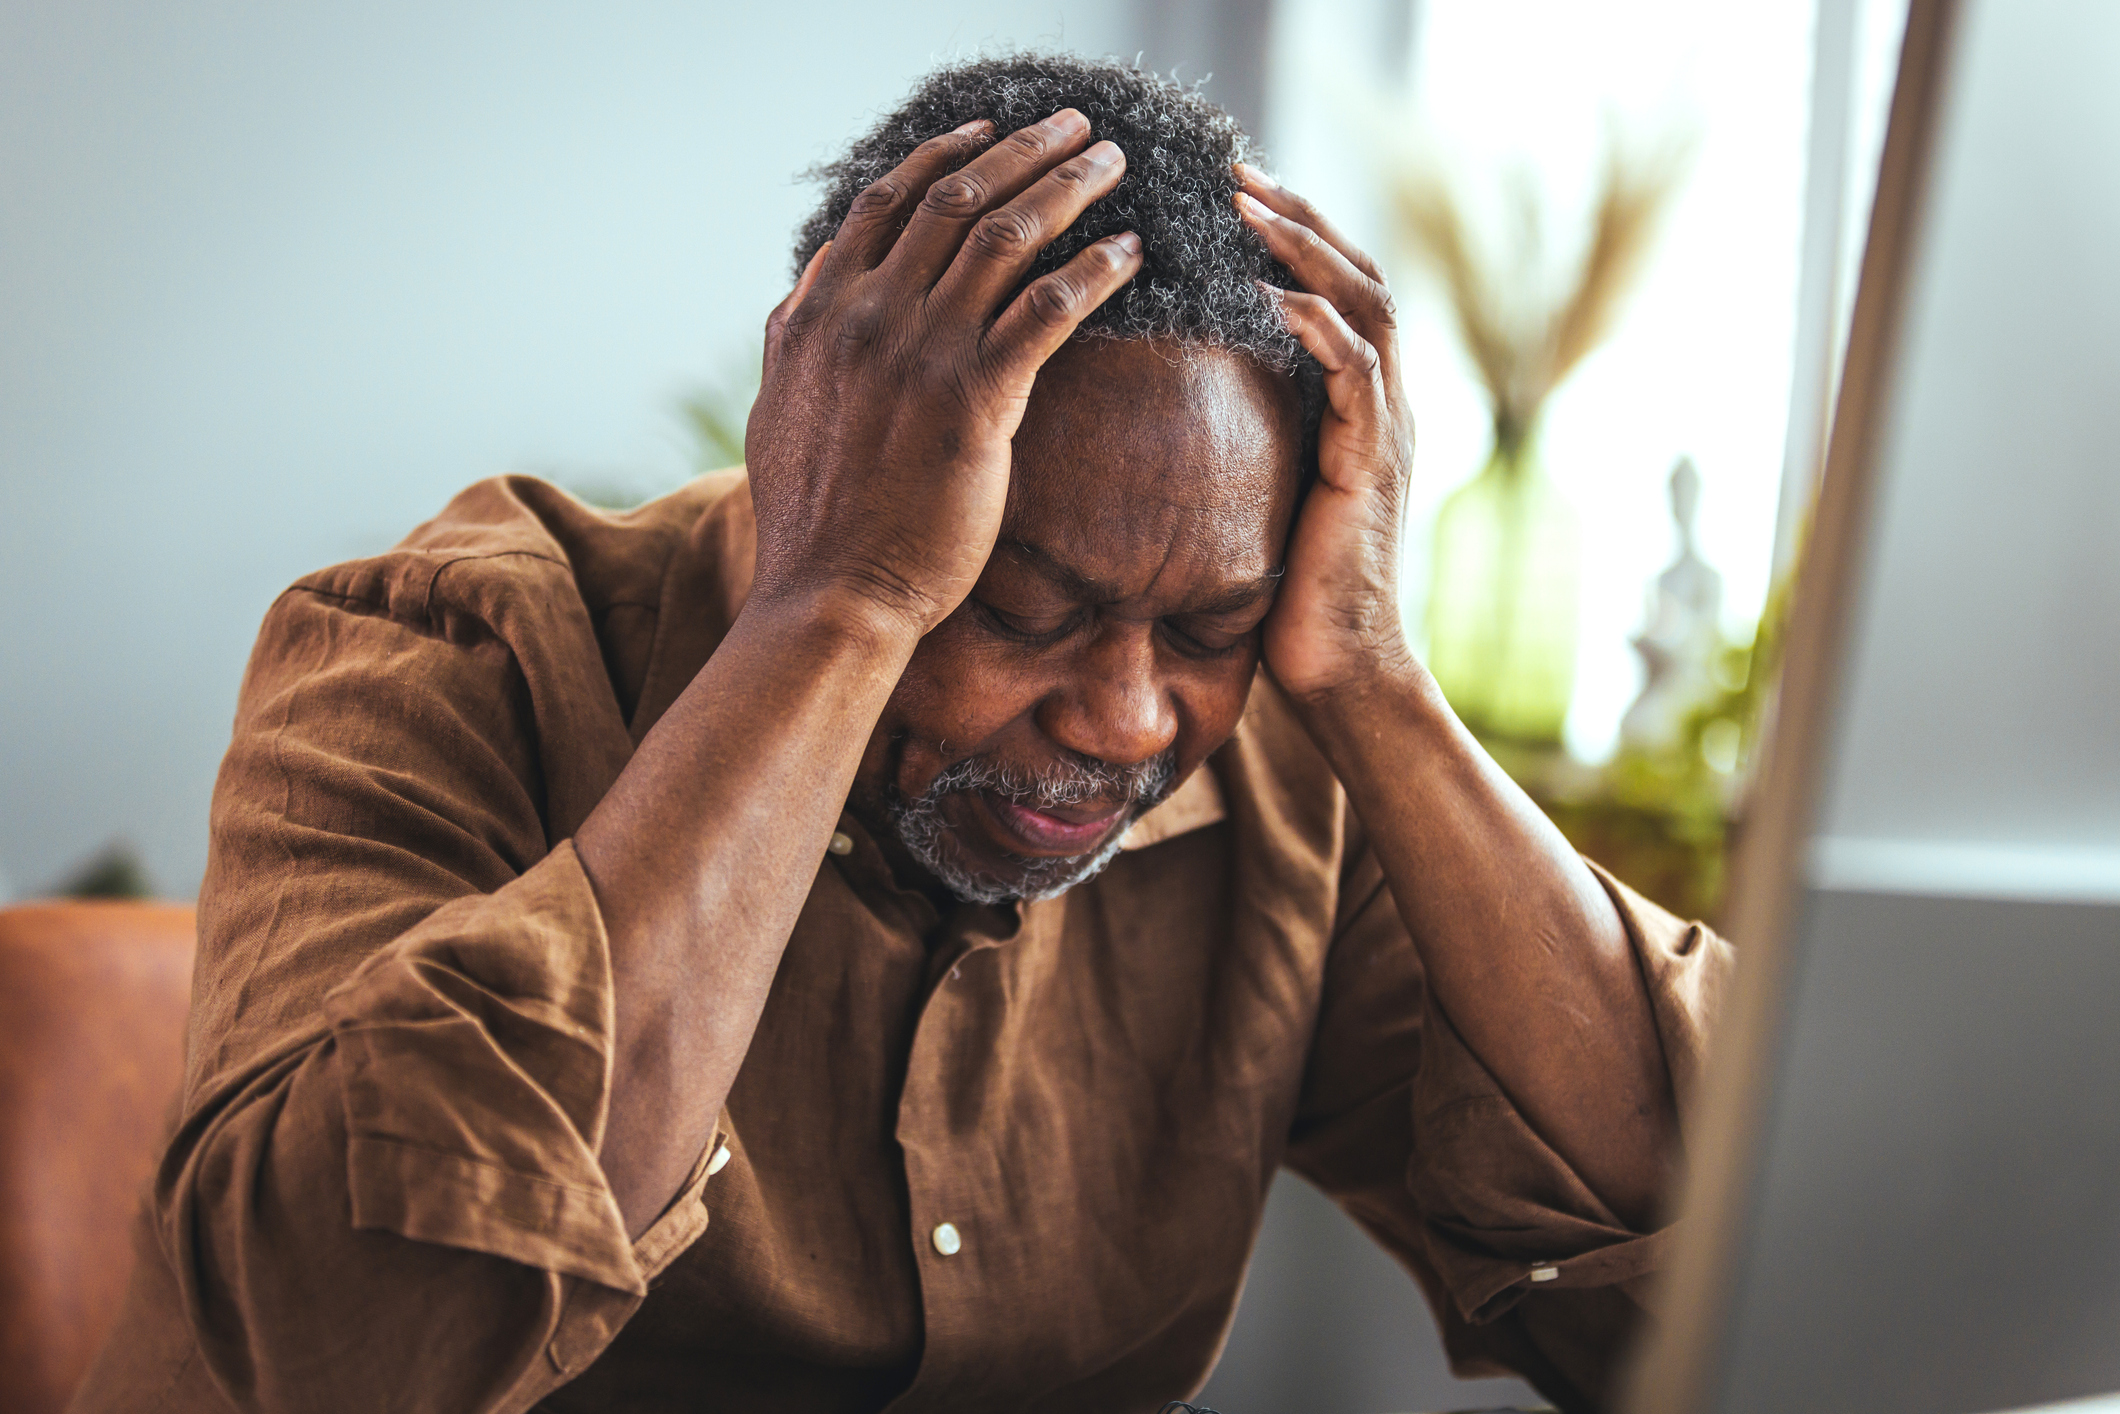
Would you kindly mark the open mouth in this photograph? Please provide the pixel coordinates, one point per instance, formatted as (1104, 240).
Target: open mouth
(1050, 830)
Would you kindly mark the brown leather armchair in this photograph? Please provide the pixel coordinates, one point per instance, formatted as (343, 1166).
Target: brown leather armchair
(93, 998)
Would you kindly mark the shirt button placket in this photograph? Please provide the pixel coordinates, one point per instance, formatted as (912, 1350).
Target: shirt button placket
(943, 1153)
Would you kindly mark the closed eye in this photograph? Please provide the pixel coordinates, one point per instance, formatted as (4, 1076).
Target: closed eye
(1025, 630)
(1198, 640)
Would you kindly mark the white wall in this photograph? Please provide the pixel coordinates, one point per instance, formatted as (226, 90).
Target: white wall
(276, 279)
(1980, 750)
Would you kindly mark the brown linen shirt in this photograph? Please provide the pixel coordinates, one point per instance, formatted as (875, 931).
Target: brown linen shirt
(384, 1191)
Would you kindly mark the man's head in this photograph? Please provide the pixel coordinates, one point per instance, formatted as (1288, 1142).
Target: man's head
(1201, 266)
(1111, 643)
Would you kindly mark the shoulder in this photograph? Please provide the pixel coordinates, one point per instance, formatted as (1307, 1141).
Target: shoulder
(517, 625)
(513, 551)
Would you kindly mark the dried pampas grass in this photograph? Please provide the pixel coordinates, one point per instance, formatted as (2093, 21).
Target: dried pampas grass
(1525, 336)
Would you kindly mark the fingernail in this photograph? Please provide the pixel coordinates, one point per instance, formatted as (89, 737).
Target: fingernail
(1068, 118)
(1248, 173)
(1251, 205)
(1128, 242)
(976, 125)
(1107, 152)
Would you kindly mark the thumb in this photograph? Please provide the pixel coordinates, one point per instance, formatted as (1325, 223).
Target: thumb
(777, 321)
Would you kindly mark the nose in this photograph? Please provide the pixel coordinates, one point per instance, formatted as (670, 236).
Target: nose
(1113, 705)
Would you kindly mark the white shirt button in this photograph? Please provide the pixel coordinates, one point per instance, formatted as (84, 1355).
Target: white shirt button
(946, 1239)
(1545, 1273)
(720, 1160)
(842, 842)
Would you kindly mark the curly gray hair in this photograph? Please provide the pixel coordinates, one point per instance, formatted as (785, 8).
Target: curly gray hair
(1199, 282)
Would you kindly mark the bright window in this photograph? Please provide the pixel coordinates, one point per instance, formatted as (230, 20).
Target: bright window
(1702, 360)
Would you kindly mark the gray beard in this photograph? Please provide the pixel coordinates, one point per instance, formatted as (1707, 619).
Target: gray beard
(922, 829)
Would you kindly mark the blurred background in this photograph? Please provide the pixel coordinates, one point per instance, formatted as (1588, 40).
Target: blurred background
(276, 280)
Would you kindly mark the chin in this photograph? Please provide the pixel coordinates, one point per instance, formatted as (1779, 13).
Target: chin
(1001, 879)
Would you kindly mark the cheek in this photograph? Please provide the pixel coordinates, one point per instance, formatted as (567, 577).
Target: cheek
(1211, 701)
(952, 702)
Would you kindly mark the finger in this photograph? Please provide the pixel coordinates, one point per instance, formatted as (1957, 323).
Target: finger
(1330, 339)
(952, 203)
(1002, 244)
(777, 321)
(1355, 387)
(1283, 202)
(1320, 268)
(880, 209)
(1051, 307)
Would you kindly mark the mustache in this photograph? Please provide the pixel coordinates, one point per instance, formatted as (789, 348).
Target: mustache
(1069, 779)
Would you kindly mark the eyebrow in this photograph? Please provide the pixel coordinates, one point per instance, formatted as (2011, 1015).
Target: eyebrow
(1090, 589)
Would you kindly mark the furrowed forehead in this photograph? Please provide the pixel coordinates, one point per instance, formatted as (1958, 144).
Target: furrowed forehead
(1136, 461)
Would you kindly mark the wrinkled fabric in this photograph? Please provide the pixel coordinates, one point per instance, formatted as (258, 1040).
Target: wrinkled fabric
(384, 1191)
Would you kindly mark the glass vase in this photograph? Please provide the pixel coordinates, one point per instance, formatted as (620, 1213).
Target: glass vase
(1502, 605)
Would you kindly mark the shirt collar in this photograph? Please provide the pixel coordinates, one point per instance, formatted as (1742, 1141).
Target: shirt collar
(1192, 806)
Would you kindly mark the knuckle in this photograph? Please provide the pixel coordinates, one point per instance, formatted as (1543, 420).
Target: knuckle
(860, 322)
(879, 196)
(1384, 307)
(959, 194)
(1029, 142)
(1075, 172)
(1005, 233)
(1054, 299)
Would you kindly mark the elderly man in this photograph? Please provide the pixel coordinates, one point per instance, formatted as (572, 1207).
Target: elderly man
(865, 933)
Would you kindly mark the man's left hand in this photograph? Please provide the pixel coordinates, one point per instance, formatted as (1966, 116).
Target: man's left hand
(1521, 947)
(1335, 626)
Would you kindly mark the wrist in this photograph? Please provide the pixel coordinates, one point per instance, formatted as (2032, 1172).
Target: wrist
(855, 592)
(1327, 672)
(833, 620)
(1374, 708)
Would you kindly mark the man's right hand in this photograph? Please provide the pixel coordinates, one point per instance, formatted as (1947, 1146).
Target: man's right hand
(897, 371)
(896, 375)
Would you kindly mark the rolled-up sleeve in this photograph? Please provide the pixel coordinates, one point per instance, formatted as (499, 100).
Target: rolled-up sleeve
(384, 1191)
(1527, 1269)
(471, 1055)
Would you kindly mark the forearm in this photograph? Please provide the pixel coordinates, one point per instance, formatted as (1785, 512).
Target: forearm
(1524, 951)
(701, 856)
(370, 1196)
(293, 1308)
